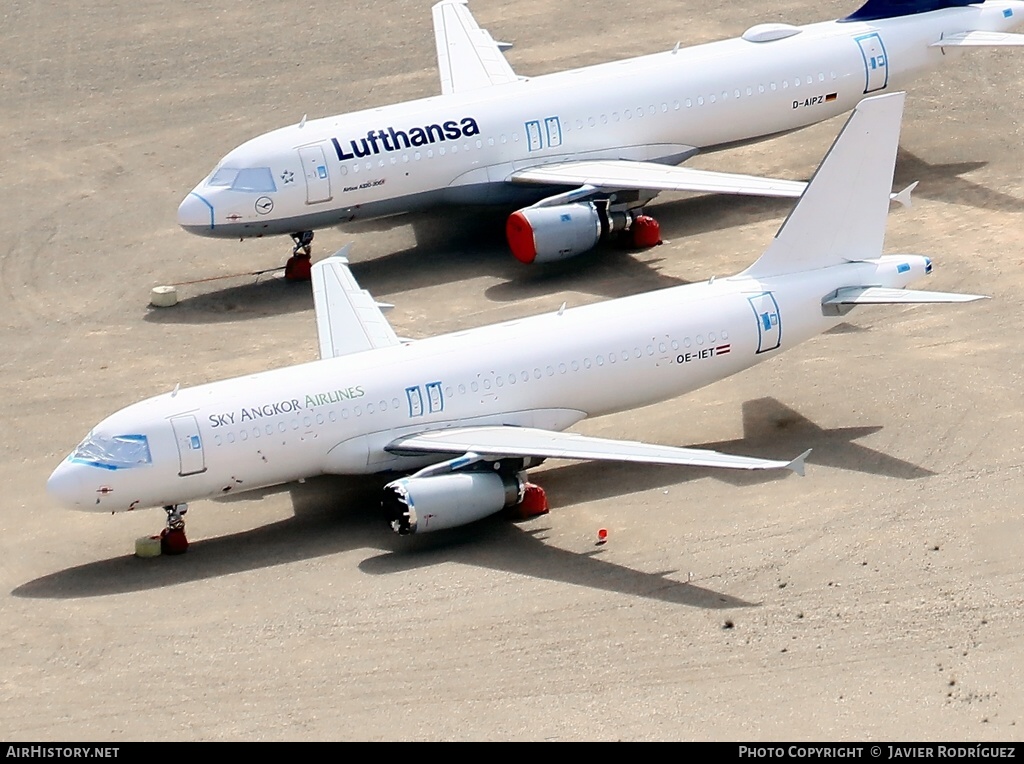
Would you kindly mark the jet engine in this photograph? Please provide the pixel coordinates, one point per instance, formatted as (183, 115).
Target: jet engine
(424, 504)
(548, 234)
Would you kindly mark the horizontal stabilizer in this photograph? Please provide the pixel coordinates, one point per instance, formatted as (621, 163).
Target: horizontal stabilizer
(348, 319)
(843, 300)
(620, 174)
(496, 442)
(886, 296)
(980, 40)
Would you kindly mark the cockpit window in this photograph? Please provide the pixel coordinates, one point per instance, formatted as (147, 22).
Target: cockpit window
(255, 179)
(224, 176)
(119, 452)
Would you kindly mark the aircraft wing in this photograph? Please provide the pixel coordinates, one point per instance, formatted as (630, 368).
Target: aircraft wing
(348, 319)
(467, 56)
(495, 442)
(979, 40)
(619, 174)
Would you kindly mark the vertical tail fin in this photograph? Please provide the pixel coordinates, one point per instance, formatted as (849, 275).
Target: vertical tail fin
(842, 214)
(888, 9)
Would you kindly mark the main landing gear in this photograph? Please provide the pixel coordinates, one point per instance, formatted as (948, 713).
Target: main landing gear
(298, 266)
(645, 232)
(533, 504)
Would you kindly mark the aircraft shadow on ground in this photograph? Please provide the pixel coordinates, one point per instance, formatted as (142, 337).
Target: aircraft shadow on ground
(502, 546)
(335, 514)
(453, 246)
(771, 430)
(846, 328)
(456, 246)
(942, 183)
(610, 270)
(769, 424)
(329, 518)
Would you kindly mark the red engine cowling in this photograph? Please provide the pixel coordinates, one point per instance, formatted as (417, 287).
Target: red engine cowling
(547, 234)
(425, 504)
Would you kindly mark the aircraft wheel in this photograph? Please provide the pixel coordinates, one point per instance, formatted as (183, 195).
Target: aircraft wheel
(298, 268)
(646, 232)
(173, 541)
(534, 503)
(172, 538)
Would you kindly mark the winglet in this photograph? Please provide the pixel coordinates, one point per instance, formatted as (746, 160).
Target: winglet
(903, 197)
(797, 465)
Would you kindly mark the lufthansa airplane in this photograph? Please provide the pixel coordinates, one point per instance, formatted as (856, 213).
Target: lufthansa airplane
(586, 149)
(474, 409)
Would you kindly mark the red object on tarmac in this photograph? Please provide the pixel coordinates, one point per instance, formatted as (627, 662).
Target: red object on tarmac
(602, 535)
(173, 541)
(646, 232)
(298, 268)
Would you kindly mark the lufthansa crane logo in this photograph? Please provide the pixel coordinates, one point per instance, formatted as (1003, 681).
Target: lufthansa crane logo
(264, 205)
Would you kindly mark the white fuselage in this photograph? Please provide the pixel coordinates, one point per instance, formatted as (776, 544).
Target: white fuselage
(549, 371)
(462, 148)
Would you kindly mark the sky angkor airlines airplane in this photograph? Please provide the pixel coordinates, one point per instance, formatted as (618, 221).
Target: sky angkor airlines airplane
(585, 148)
(476, 408)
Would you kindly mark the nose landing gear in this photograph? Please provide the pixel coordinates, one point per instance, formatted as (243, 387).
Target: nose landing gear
(172, 538)
(304, 241)
(298, 266)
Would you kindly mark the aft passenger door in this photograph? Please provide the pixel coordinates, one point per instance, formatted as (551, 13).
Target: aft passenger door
(769, 321)
(876, 64)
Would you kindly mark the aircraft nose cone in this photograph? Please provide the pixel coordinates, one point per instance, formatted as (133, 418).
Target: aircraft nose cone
(195, 214)
(65, 485)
